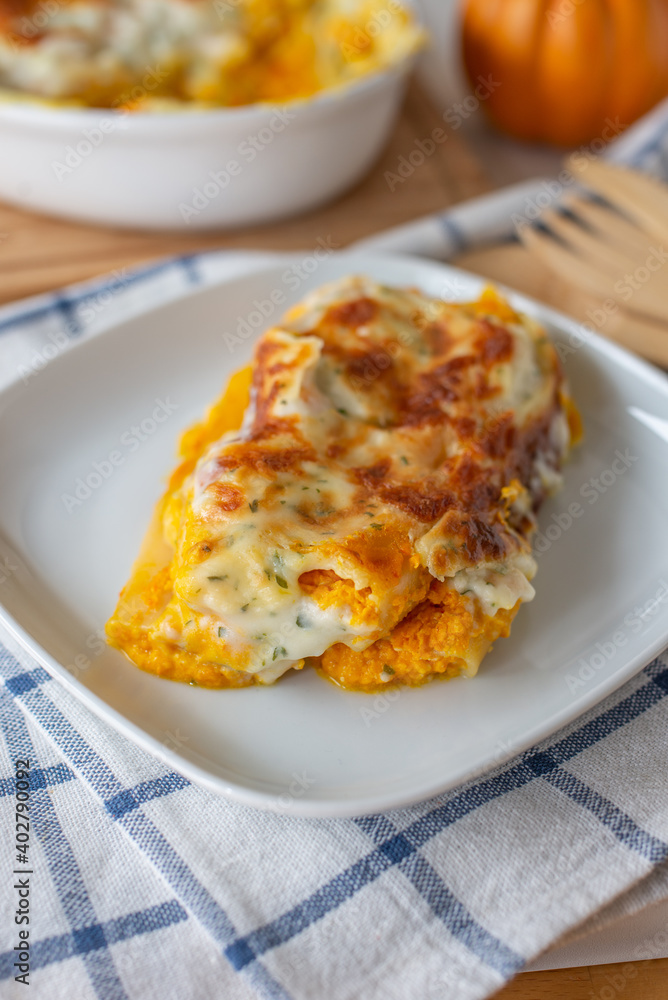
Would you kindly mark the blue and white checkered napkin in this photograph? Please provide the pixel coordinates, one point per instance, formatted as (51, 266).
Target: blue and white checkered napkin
(145, 886)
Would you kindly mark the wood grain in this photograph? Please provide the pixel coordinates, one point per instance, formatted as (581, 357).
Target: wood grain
(38, 254)
(624, 981)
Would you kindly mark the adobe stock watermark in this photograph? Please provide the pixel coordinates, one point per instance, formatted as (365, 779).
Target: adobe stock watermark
(297, 788)
(631, 283)
(604, 652)
(579, 335)
(92, 647)
(292, 279)
(362, 38)
(591, 491)
(247, 151)
(28, 28)
(129, 442)
(504, 750)
(450, 983)
(451, 290)
(557, 15)
(651, 947)
(95, 644)
(553, 190)
(454, 116)
(618, 980)
(294, 967)
(625, 287)
(130, 99)
(175, 740)
(223, 7)
(59, 340)
(7, 570)
(380, 705)
(91, 138)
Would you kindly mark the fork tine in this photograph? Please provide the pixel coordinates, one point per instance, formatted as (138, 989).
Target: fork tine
(590, 244)
(639, 333)
(606, 221)
(640, 196)
(650, 298)
(567, 265)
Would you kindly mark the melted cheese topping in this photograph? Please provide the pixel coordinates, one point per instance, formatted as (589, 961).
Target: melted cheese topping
(372, 513)
(148, 54)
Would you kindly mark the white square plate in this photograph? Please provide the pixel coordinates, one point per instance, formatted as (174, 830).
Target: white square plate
(304, 746)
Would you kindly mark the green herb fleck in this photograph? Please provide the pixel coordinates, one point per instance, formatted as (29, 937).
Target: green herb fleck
(244, 607)
(279, 651)
(302, 621)
(377, 526)
(224, 577)
(387, 669)
(221, 631)
(254, 504)
(344, 413)
(282, 582)
(404, 460)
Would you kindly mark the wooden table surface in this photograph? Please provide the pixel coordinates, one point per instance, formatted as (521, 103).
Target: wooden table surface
(38, 254)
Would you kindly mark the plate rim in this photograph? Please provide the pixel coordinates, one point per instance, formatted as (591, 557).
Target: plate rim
(326, 808)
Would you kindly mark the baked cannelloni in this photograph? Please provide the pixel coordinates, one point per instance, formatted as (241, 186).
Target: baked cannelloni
(361, 500)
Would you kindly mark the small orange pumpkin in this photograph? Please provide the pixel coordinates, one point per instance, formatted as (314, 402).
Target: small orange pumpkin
(566, 69)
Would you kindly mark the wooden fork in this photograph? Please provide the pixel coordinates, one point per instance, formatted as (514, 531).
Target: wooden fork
(612, 243)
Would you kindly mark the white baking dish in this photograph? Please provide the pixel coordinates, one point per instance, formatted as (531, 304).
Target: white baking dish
(195, 169)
